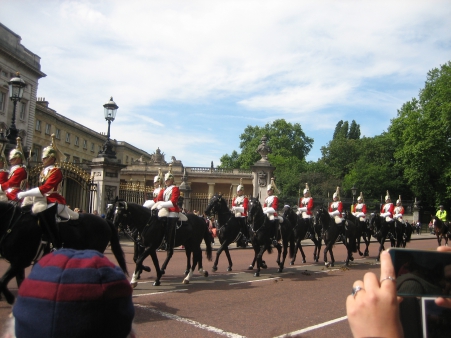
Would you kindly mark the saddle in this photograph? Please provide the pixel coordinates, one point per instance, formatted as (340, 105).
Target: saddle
(164, 212)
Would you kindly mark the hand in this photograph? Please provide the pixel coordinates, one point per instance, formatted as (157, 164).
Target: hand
(373, 311)
(440, 301)
(21, 195)
(155, 206)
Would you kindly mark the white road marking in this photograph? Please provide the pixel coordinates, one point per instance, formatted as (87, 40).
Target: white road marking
(255, 281)
(191, 322)
(158, 293)
(311, 328)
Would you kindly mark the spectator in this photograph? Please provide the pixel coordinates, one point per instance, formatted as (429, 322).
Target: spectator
(431, 227)
(95, 212)
(71, 293)
(77, 210)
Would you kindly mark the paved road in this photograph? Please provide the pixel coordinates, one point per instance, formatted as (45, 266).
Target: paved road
(305, 300)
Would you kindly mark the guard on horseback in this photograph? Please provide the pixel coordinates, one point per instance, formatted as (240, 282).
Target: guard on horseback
(157, 183)
(388, 208)
(398, 210)
(4, 173)
(270, 209)
(48, 193)
(359, 210)
(239, 208)
(306, 204)
(167, 204)
(17, 178)
(335, 211)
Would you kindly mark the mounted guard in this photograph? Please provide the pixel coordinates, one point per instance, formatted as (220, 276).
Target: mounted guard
(239, 208)
(388, 208)
(49, 193)
(306, 204)
(4, 173)
(157, 183)
(270, 209)
(398, 210)
(360, 208)
(17, 178)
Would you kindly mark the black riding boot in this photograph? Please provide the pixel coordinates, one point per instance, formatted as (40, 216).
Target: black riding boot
(243, 228)
(274, 227)
(49, 227)
(170, 233)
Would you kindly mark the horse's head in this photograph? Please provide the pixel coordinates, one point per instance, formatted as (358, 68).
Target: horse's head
(254, 208)
(214, 205)
(375, 221)
(322, 217)
(120, 214)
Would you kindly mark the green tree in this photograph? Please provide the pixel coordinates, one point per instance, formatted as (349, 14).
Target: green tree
(422, 134)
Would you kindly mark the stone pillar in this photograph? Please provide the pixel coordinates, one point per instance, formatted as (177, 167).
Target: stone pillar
(262, 171)
(106, 173)
(416, 211)
(211, 190)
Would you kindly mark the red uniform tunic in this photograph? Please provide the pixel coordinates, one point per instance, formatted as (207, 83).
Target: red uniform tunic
(171, 193)
(359, 207)
(271, 202)
(51, 178)
(3, 175)
(399, 211)
(15, 183)
(306, 202)
(240, 201)
(336, 206)
(388, 207)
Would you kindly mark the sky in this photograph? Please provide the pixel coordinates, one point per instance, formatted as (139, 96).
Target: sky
(190, 76)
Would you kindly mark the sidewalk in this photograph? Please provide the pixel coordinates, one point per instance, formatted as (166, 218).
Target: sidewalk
(306, 242)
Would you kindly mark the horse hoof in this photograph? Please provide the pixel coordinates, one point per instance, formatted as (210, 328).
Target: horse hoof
(205, 273)
(361, 254)
(257, 274)
(163, 272)
(332, 265)
(280, 270)
(327, 264)
(291, 263)
(250, 267)
(214, 268)
(146, 268)
(264, 266)
(186, 272)
(377, 259)
(133, 285)
(156, 283)
(352, 259)
(304, 261)
(229, 269)
(185, 281)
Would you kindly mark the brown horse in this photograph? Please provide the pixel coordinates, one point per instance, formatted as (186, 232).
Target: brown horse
(441, 230)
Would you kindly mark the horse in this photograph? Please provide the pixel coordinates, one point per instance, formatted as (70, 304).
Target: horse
(408, 229)
(189, 233)
(399, 233)
(330, 235)
(229, 230)
(300, 232)
(362, 231)
(380, 229)
(21, 232)
(441, 230)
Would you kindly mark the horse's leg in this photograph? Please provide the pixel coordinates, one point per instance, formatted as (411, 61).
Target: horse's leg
(381, 248)
(166, 261)
(188, 261)
(296, 247)
(332, 258)
(156, 264)
(224, 245)
(20, 276)
(259, 260)
(195, 262)
(6, 278)
(138, 267)
(256, 250)
(367, 239)
(326, 263)
(227, 253)
(284, 255)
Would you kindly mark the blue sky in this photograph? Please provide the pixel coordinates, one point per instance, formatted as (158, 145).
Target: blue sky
(189, 76)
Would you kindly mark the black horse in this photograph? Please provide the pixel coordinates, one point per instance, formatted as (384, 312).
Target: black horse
(380, 229)
(229, 230)
(362, 232)
(189, 233)
(300, 232)
(330, 234)
(441, 230)
(20, 238)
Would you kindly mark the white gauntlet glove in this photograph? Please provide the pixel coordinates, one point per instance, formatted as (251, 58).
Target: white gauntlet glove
(35, 192)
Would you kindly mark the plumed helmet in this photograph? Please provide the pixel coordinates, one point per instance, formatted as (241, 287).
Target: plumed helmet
(360, 198)
(398, 201)
(387, 197)
(52, 151)
(18, 151)
(169, 175)
(159, 177)
(240, 186)
(272, 186)
(306, 190)
(337, 193)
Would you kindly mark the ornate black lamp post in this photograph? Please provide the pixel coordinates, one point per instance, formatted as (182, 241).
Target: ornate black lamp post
(110, 114)
(16, 88)
(354, 192)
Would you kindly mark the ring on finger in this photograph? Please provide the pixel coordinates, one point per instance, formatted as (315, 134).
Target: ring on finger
(355, 290)
(390, 278)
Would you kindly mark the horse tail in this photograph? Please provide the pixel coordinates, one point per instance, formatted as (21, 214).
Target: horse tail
(292, 246)
(116, 247)
(207, 240)
(353, 240)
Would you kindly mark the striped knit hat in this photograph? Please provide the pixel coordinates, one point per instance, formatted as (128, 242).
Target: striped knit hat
(71, 293)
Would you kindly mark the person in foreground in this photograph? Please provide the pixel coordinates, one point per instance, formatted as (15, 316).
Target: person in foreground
(73, 293)
(373, 307)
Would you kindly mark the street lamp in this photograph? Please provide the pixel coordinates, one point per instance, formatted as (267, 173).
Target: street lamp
(110, 114)
(354, 192)
(16, 88)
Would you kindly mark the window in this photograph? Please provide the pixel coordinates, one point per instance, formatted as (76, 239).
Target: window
(38, 125)
(48, 127)
(68, 137)
(67, 156)
(76, 141)
(100, 148)
(2, 101)
(92, 146)
(126, 159)
(22, 109)
(36, 153)
(85, 144)
(76, 160)
(57, 134)
(5, 74)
